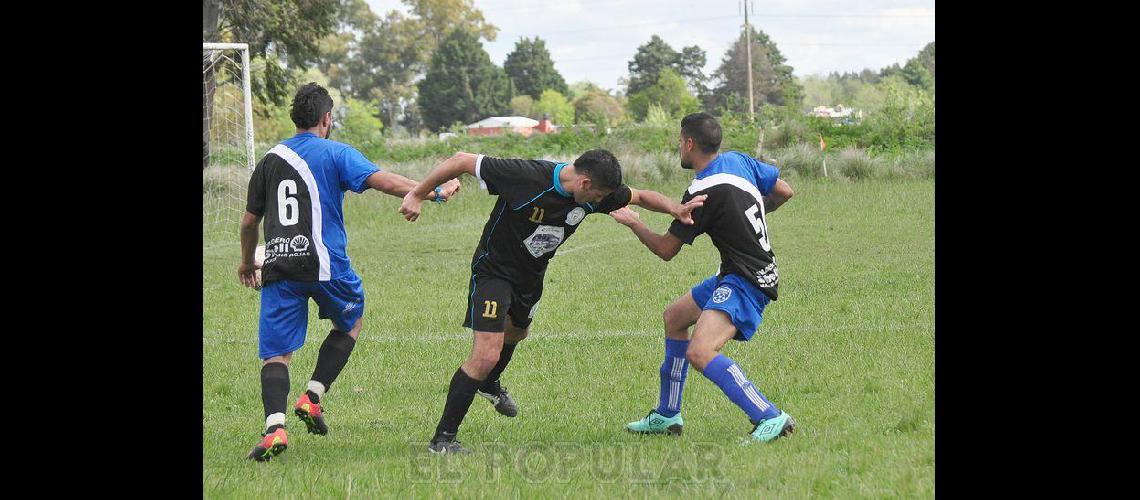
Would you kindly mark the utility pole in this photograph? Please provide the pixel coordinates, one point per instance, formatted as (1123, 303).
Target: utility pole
(748, 52)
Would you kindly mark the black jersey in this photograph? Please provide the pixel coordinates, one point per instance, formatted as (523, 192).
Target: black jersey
(299, 189)
(733, 216)
(532, 217)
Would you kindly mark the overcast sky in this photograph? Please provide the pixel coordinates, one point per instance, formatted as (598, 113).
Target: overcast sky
(595, 39)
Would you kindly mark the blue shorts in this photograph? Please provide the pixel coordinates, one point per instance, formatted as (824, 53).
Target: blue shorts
(285, 311)
(734, 295)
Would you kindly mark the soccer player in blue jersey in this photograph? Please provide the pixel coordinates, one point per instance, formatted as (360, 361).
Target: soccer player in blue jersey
(728, 305)
(298, 189)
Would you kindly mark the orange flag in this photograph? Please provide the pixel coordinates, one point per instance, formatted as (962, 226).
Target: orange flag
(821, 143)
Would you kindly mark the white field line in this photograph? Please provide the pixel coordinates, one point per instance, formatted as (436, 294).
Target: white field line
(463, 334)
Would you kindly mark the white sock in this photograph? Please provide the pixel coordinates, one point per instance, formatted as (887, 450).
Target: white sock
(317, 388)
(274, 419)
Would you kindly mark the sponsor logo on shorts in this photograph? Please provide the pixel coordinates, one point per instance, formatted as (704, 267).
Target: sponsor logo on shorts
(721, 294)
(350, 306)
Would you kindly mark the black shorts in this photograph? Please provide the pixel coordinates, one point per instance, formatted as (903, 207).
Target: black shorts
(491, 299)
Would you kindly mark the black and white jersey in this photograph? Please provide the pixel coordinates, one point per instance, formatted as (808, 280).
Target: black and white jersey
(532, 218)
(733, 216)
(299, 189)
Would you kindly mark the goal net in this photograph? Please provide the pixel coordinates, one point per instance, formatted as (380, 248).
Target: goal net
(227, 140)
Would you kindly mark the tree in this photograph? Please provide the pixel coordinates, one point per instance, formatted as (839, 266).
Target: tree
(522, 105)
(438, 18)
(926, 58)
(531, 69)
(598, 107)
(462, 83)
(388, 60)
(277, 31)
(772, 79)
(669, 92)
(553, 103)
(916, 74)
(656, 55)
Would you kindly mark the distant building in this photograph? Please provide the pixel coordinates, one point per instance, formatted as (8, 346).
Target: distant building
(496, 125)
(839, 111)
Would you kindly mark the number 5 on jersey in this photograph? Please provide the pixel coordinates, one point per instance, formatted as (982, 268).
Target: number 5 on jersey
(756, 217)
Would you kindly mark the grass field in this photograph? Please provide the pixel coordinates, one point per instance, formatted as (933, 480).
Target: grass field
(848, 350)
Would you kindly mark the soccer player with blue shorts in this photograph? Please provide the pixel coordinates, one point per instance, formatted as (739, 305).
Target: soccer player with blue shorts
(730, 304)
(298, 188)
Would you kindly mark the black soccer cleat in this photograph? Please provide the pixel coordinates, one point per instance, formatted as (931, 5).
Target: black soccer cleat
(499, 397)
(445, 444)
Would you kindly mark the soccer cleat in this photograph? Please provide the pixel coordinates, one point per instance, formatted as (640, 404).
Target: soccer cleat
(271, 445)
(774, 428)
(445, 443)
(311, 414)
(655, 423)
(499, 397)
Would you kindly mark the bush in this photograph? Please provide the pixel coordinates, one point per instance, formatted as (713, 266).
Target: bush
(803, 159)
(856, 164)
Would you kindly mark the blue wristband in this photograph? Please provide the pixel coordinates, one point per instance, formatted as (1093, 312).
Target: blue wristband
(438, 192)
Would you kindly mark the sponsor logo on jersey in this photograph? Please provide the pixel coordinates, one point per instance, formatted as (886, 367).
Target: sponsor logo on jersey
(299, 243)
(280, 247)
(575, 216)
(544, 240)
(721, 294)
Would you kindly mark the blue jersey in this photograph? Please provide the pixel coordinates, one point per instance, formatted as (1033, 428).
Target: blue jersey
(299, 188)
(733, 216)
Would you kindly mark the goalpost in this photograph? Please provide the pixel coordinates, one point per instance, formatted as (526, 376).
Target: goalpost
(227, 140)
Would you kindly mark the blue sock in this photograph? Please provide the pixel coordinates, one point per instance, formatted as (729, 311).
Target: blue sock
(726, 374)
(673, 372)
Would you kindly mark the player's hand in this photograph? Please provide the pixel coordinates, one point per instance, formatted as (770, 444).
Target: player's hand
(411, 206)
(247, 275)
(448, 189)
(685, 213)
(626, 216)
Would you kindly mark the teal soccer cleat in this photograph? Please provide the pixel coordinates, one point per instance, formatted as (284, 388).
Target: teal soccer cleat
(774, 428)
(655, 423)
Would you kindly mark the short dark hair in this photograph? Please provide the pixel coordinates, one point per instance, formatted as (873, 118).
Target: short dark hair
(309, 105)
(703, 129)
(601, 167)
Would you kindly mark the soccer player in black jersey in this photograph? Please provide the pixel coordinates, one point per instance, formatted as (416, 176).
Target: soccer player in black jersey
(540, 205)
(728, 305)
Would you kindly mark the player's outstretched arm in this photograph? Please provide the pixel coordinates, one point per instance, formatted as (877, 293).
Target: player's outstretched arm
(780, 193)
(398, 185)
(249, 225)
(447, 171)
(665, 245)
(658, 202)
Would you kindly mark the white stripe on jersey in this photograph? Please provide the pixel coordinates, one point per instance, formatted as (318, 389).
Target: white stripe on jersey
(302, 168)
(478, 164)
(735, 180)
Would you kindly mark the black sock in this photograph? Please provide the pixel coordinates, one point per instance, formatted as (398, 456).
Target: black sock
(274, 387)
(459, 396)
(492, 381)
(331, 359)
